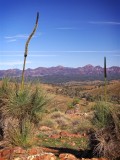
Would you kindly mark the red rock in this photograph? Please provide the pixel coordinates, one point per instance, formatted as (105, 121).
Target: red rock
(0, 153)
(36, 158)
(99, 159)
(18, 158)
(2, 159)
(63, 134)
(66, 156)
(48, 150)
(62, 140)
(55, 136)
(6, 153)
(67, 134)
(45, 128)
(32, 151)
(19, 150)
(48, 156)
(73, 144)
(84, 135)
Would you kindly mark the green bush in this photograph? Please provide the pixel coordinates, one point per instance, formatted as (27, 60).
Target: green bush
(102, 115)
(30, 103)
(5, 88)
(106, 139)
(81, 126)
(75, 101)
(72, 104)
(25, 138)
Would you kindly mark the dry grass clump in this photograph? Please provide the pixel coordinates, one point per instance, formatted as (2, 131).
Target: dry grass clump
(61, 119)
(58, 114)
(49, 123)
(23, 106)
(108, 145)
(106, 141)
(63, 123)
(102, 115)
(81, 126)
(5, 89)
(25, 103)
(26, 138)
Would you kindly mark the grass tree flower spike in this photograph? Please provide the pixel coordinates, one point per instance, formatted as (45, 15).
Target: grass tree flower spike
(26, 50)
(105, 78)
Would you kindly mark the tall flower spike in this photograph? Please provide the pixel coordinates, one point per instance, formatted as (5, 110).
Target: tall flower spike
(26, 50)
(105, 78)
(105, 72)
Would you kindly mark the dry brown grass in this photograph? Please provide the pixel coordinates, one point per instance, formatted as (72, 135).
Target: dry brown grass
(107, 139)
(112, 89)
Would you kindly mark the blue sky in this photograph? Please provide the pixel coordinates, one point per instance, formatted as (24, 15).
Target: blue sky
(70, 33)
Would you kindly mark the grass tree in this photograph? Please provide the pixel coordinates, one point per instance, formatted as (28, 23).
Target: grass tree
(26, 106)
(105, 79)
(107, 135)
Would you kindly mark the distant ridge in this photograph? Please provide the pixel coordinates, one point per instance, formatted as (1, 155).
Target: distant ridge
(61, 73)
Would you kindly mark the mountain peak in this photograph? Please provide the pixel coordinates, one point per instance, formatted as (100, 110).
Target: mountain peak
(88, 72)
(59, 66)
(89, 65)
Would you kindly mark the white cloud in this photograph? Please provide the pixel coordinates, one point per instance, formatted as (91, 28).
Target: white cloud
(105, 22)
(12, 63)
(11, 40)
(57, 51)
(30, 54)
(33, 55)
(19, 36)
(66, 28)
(23, 36)
(43, 55)
(115, 55)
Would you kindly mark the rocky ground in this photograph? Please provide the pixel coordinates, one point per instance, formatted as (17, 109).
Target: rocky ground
(38, 153)
(58, 146)
(63, 135)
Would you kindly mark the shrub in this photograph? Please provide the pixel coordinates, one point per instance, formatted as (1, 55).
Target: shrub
(102, 114)
(49, 123)
(5, 88)
(75, 101)
(72, 104)
(26, 103)
(61, 119)
(81, 126)
(29, 103)
(25, 138)
(106, 140)
(107, 143)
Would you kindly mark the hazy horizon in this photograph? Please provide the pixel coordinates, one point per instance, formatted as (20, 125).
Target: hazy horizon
(61, 66)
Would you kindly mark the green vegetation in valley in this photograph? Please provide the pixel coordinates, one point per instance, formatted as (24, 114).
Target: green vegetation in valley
(64, 142)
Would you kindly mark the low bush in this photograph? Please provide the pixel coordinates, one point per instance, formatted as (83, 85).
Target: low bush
(29, 103)
(72, 104)
(26, 138)
(5, 90)
(106, 140)
(81, 126)
(102, 115)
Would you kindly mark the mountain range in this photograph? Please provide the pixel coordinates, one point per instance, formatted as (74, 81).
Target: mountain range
(61, 74)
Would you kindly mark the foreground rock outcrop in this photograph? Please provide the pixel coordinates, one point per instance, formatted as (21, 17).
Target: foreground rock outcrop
(17, 153)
